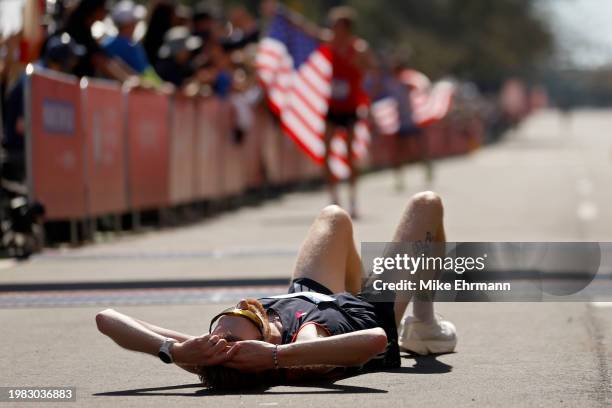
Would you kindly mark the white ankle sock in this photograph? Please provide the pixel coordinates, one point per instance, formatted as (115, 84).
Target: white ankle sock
(423, 310)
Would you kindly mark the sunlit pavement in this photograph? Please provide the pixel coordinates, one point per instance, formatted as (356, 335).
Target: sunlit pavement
(548, 181)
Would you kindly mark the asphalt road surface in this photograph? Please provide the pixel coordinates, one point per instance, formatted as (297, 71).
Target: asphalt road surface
(549, 180)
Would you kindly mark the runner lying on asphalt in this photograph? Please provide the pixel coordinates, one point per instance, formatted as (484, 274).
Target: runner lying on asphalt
(323, 326)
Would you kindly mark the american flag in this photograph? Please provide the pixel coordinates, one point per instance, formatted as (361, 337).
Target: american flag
(338, 155)
(385, 113)
(430, 103)
(295, 69)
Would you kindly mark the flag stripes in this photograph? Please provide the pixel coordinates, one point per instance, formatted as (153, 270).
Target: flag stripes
(296, 72)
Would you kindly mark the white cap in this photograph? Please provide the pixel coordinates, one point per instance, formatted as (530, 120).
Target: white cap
(127, 12)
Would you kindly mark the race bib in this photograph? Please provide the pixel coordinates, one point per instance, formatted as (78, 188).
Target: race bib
(340, 89)
(314, 297)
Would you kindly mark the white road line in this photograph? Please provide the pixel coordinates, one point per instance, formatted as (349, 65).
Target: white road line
(587, 211)
(160, 296)
(584, 187)
(601, 304)
(7, 263)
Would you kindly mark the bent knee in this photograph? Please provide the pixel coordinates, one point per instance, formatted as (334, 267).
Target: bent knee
(101, 322)
(336, 215)
(102, 319)
(427, 200)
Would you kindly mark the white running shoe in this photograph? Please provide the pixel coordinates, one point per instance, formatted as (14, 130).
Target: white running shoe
(435, 337)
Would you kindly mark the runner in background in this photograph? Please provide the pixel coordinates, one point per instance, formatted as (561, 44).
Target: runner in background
(348, 100)
(410, 141)
(391, 113)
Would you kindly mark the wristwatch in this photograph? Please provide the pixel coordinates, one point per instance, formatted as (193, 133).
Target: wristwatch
(165, 351)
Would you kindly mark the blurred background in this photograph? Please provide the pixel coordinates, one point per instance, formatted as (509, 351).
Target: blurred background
(169, 119)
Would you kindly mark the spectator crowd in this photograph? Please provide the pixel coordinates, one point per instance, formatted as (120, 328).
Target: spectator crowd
(161, 45)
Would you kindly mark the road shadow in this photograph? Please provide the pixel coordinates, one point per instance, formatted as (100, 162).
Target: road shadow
(324, 387)
(424, 365)
(153, 391)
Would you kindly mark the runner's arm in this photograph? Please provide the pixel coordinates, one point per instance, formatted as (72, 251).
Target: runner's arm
(128, 333)
(344, 350)
(188, 352)
(166, 332)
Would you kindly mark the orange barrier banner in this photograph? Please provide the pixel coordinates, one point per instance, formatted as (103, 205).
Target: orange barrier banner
(253, 164)
(309, 169)
(208, 175)
(102, 104)
(182, 155)
(381, 151)
(55, 164)
(289, 161)
(272, 153)
(437, 140)
(232, 162)
(148, 155)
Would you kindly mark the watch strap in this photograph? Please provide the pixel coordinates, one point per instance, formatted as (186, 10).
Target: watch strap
(164, 353)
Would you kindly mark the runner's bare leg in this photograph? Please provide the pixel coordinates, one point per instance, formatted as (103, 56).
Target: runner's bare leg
(328, 254)
(421, 222)
(350, 136)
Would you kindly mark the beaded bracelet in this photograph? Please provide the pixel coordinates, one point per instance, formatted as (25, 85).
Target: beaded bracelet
(275, 356)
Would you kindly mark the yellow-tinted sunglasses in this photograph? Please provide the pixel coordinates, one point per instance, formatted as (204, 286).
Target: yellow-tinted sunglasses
(247, 314)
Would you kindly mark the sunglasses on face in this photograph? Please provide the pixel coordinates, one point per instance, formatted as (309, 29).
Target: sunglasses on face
(246, 314)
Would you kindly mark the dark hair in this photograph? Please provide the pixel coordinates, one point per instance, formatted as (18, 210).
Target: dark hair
(86, 8)
(83, 10)
(224, 378)
(342, 14)
(159, 24)
(202, 11)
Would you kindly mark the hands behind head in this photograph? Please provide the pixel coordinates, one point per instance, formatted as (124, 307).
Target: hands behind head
(203, 350)
(251, 356)
(210, 350)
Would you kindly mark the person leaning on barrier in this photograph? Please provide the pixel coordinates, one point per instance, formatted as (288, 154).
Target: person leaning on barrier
(245, 29)
(327, 323)
(95, 61)
(61, 55)
(175, 63)
(161, 18)
(126, 15)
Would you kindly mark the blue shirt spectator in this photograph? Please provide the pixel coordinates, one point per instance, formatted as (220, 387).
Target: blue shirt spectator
(131, 53)
(175, 63)
(126, 15)
(222, 85)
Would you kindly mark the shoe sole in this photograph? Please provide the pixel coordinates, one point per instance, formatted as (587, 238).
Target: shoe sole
(424, 348)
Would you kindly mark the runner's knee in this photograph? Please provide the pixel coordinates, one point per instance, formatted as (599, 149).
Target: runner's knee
(426, 200)
(336, 217)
